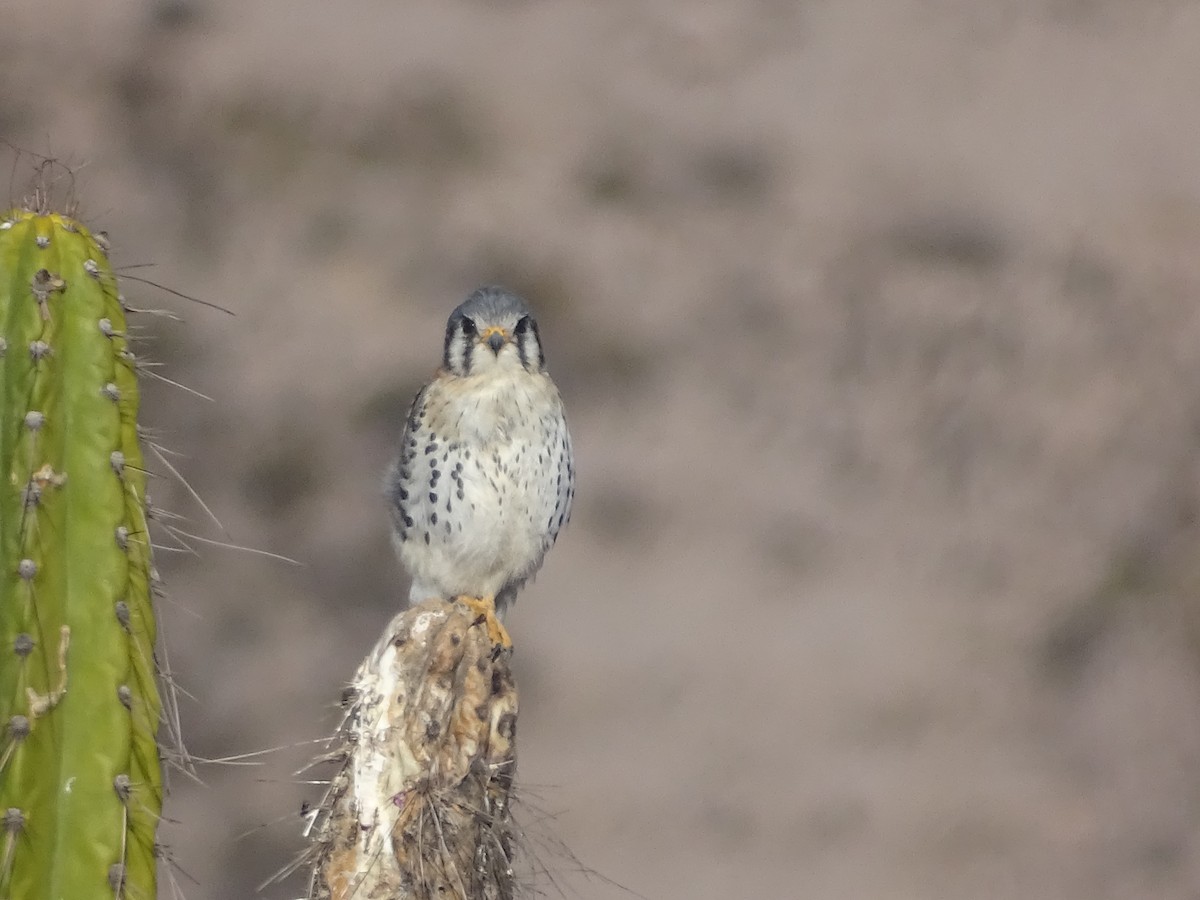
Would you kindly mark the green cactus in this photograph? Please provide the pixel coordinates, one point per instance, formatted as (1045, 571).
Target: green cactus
(80, 781)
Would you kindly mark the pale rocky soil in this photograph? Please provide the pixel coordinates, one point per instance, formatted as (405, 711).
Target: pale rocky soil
(877, 325)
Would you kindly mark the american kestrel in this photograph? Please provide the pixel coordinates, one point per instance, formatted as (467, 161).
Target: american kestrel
(485, 476)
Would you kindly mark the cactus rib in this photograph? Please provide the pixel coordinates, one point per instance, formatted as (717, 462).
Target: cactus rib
(80, 781)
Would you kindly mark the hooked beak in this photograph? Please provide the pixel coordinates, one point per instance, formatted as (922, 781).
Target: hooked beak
(495, 337)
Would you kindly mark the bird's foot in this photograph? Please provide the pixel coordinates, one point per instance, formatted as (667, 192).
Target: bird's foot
(486, 608)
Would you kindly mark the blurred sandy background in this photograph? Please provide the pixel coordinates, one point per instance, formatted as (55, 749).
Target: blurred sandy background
(877, 326)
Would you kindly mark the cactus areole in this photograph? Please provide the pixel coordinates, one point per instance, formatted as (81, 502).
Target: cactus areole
(80, 784)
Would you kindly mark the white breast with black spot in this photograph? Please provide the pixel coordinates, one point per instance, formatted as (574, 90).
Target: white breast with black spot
(483, 485)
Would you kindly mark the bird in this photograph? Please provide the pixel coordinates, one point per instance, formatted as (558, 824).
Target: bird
(485, 476)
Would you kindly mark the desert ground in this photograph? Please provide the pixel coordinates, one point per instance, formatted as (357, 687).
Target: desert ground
(878, 333)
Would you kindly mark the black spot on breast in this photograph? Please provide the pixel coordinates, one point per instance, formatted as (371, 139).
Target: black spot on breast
(497, 681)
(430, 447)
(427, 537)
(432, 497)
(401, 493)
(459, 495)
(408, 521)
(433, 518)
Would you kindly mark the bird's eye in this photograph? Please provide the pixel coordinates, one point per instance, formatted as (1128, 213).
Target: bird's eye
(523, 325)
(468, 327)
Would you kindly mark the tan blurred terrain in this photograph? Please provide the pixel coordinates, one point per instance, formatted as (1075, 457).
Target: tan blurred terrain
(877, 326)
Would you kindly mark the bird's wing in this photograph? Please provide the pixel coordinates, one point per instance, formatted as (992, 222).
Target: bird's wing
(400, 471)
(565, 484)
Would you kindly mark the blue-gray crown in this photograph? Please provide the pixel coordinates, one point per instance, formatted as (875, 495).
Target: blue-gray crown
(491, 304)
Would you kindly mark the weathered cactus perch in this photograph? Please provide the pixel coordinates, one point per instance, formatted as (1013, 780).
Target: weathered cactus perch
(420, 805)
(80, 783)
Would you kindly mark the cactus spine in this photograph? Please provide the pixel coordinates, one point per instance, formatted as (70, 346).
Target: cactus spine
(80, 783)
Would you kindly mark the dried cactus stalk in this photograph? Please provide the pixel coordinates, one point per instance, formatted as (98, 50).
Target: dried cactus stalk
(420, 806)
(80, 783)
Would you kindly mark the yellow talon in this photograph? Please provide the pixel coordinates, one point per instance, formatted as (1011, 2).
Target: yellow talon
(486, 607)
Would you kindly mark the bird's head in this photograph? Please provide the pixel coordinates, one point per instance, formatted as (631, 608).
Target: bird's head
(492, 330)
